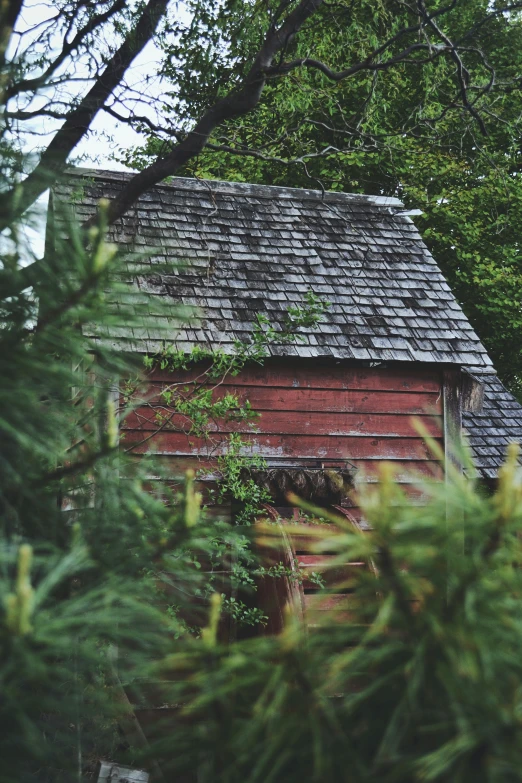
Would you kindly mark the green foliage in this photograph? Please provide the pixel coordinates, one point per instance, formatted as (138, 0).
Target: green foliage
(114, 564)
(244, 491)
(309, 315)
(60, 709)
(419, 682)
(400, 132)
(243, 614)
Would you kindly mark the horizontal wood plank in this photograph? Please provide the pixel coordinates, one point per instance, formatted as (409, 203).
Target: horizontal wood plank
(317, 376)
(323, 400)
(313, 447)
(301, 423)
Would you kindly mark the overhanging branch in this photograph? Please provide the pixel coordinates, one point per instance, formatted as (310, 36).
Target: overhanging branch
(53, 160)
(29, 85)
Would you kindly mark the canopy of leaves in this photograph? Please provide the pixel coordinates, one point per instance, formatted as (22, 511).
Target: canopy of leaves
(401, 131)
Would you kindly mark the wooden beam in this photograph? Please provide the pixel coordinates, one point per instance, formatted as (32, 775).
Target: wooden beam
(472, 393)
(452, 394)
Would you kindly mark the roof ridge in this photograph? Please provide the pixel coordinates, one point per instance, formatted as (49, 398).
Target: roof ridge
(246, 188)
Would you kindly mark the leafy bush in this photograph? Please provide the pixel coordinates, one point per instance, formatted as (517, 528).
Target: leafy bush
(420, 682)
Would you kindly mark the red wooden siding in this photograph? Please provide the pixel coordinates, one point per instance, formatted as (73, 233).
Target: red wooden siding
(309, 412)
(312, 375)
(291, 422)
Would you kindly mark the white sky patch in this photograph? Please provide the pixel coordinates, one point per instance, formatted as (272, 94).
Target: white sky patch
(108, 135)
(140, 92)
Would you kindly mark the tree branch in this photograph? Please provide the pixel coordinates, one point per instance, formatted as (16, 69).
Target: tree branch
(144, 120)
(463, 75)
(28, 85)
(239, 102)
(30, 115)
(53, 160)
(368, 64)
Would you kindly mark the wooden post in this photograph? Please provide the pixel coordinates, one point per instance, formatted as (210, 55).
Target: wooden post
(452, 395)
(452, 407)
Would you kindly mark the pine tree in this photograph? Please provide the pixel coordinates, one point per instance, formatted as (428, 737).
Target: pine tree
(84, 546)
(420, 681)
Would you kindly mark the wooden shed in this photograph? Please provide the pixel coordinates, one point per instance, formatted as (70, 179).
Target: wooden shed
(393, 346)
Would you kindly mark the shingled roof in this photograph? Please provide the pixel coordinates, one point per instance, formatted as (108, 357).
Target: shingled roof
(257, 249)
(490, 431)
(248, 249)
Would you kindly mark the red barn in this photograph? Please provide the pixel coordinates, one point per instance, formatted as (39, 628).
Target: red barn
(393, 344)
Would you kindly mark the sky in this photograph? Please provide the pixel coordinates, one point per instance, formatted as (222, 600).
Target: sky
(107, 136)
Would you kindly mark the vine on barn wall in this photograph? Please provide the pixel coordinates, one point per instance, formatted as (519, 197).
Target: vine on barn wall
(196, 405)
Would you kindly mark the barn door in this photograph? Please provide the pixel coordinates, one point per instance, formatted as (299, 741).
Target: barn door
(309, 598)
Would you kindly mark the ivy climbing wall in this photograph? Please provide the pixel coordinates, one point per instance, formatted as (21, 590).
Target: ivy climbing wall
(311, 413)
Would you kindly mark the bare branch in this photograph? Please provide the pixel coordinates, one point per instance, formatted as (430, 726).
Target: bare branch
(30, 115)
(28, 85)
(53, 160)
(324, 153)
(368, 64)
(144, 120)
